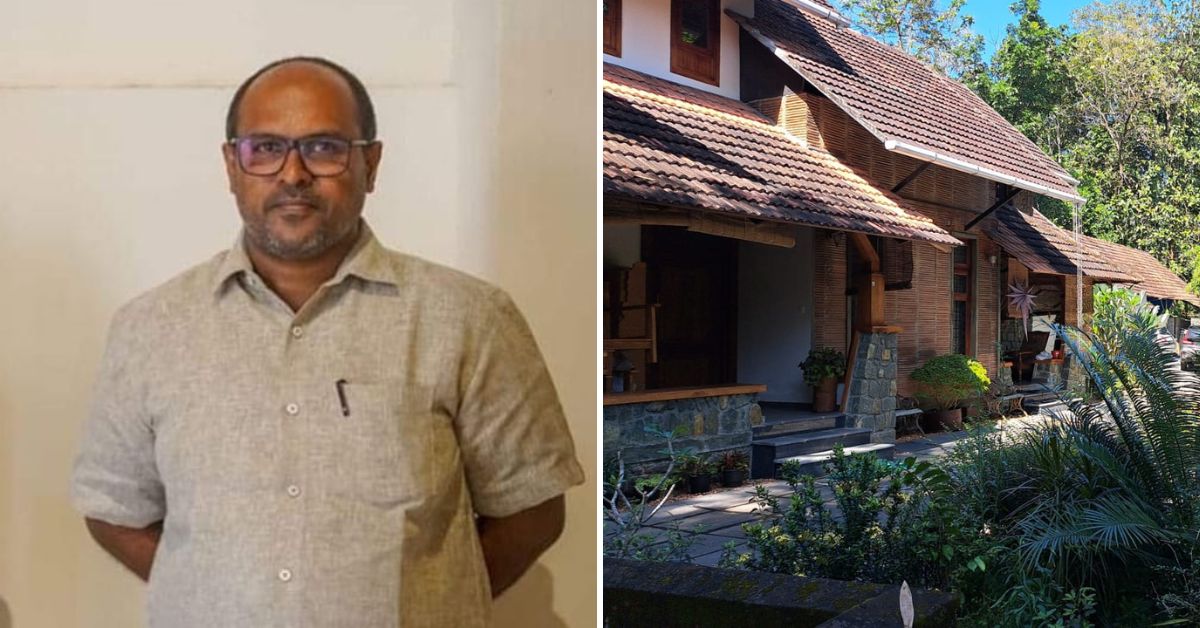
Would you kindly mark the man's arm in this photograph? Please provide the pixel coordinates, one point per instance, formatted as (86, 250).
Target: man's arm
(133, 547)
(511, 544)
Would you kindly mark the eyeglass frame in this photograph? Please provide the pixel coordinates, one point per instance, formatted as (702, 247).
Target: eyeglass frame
(293, 143)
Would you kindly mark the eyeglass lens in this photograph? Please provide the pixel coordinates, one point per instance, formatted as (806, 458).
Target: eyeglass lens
(265, 154)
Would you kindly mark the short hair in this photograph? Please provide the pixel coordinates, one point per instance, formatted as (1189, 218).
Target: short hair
(362, 100)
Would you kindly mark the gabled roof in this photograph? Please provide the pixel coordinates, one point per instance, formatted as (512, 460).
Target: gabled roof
(1047, 248)
(1153, 278)
(670, 145)
(907, 105)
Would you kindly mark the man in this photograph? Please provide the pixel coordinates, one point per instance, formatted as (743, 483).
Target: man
(310, 429)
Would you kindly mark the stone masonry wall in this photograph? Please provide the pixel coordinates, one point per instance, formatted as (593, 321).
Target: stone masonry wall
(872, 401)
(711, 424)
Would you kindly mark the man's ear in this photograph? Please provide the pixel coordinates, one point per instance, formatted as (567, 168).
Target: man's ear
(231, 167)
(371, 155)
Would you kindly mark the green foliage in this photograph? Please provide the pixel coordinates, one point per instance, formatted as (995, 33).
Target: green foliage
(947, 381)
(629, 509)
(1119, 311)
(735, 460)
(1097, 502)
(1115, 98)
(935, 32)
(822, 363)
(692, 464)
(897, 522)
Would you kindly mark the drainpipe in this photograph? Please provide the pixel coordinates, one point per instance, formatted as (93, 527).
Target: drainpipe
(808, 6)
(924, 154)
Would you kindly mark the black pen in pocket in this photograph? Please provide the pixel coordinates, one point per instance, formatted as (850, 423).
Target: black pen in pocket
(341, 390)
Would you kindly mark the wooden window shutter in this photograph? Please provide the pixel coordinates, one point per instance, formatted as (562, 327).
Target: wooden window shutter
(696, 39)
(896, 257)
(612, 27)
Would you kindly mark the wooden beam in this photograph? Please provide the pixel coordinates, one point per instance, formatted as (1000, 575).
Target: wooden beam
(913, 175)
(866, 250)
(1012, 192)
(760, 232)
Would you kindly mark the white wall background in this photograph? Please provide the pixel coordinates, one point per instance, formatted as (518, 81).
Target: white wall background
(111, 182)
(646, 43)
(775, 316)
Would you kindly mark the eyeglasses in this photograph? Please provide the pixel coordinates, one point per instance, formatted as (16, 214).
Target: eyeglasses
(323, 155)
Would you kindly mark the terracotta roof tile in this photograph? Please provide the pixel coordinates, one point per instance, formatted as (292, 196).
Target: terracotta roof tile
(672, 145)
(1047, 248)
(1152, 276)
(895, 96)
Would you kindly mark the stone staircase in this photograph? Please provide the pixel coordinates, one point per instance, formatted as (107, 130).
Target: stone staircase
(791, 434)
(1038, 400)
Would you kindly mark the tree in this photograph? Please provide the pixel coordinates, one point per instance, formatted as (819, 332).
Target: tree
(941, 37)
(1115, 98)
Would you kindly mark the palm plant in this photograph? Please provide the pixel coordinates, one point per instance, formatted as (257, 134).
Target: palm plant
(1111, 487)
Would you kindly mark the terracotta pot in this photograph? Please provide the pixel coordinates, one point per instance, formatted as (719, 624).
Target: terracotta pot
(944, 419)
(825, 395)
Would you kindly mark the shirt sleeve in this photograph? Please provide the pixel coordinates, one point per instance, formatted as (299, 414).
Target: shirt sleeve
(517, 450)
(115, 477)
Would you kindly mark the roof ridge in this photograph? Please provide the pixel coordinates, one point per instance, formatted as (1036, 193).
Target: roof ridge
(895, 96)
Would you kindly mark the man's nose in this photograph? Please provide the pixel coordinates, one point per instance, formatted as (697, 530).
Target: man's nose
(294, 171)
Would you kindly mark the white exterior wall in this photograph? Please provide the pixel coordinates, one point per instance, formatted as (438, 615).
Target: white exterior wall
(622, 245)
(646, 43)
(112, 182)
(775, 316)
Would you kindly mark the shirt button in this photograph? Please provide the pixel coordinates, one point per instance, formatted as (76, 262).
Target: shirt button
(297, 331)
(285, 575)
(293, 490)
(292, 409)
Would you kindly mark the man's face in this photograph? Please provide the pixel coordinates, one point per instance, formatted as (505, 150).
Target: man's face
(293, 215)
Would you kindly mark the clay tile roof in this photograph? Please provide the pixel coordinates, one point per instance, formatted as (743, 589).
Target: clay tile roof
(1152, 277)
(1047, 248)
(896, 97)
(670, 145)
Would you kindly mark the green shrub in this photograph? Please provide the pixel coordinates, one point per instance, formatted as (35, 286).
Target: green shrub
(823, 363)
(898, 522)
(948, 381)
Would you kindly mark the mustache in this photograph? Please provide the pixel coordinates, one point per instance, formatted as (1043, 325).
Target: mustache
(287, 197)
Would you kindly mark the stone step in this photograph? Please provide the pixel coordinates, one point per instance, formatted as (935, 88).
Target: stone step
(780, 427)
(766, 452)
(813, 463)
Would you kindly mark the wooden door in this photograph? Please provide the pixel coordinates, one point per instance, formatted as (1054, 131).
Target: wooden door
(693, 277)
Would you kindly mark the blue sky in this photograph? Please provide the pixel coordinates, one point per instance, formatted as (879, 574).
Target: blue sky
(993, 16)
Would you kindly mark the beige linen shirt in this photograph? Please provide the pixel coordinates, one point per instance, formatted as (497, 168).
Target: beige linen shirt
(290, 499)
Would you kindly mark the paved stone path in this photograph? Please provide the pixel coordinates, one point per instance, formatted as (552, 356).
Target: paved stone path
(717, 516)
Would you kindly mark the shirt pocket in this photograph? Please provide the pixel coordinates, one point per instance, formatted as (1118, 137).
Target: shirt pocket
(381, 441)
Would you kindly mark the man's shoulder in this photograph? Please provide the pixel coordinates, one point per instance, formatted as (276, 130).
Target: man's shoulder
(439, 284)
(184, 291)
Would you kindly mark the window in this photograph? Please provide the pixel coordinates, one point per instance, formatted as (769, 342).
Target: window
(962, 301)
(696, 39)
(612, 27)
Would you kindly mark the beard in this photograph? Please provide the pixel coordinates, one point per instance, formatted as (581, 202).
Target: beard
(329, 233)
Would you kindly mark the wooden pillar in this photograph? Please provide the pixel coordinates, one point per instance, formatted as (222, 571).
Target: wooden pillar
(869, 308)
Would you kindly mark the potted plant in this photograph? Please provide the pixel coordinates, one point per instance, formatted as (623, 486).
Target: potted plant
(697, 470)
(945, 384)
(822, 369)
(734, 465)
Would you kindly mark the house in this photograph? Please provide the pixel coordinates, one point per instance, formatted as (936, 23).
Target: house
(776, 182)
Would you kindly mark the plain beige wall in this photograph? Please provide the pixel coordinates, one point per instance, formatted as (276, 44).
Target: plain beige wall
(110, 182)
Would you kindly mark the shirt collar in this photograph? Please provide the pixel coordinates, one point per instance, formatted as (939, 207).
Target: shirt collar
(366, 260)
